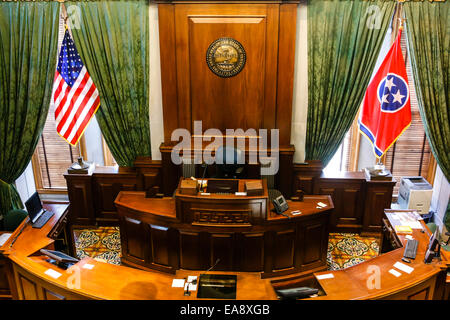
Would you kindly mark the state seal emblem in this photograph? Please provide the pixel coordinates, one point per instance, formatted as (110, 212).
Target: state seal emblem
(225, 57)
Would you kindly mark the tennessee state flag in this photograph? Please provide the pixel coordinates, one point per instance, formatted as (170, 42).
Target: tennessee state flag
(386, 111)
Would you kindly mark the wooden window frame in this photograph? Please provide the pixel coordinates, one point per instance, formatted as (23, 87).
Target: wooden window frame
(36, 165)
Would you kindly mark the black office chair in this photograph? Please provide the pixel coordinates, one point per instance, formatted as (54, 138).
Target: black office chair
(230, 163)
(13, 219)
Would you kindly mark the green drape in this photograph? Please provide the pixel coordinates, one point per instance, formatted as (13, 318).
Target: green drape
(113, 43)
(28, 49)
(344, 40)
(428, 26)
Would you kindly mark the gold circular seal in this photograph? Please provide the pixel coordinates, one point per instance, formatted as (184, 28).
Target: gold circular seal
(225, 57)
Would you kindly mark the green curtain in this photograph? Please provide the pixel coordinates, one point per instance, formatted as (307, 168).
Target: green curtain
(344, 40)
(28, 49)
(113, 43)
(428, 26)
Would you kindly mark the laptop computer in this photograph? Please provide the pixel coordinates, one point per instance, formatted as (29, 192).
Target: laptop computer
(38, 215)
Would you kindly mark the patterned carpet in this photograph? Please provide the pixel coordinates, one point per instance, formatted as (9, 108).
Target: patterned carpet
(101, 244)
(344, 249)
(348, 249)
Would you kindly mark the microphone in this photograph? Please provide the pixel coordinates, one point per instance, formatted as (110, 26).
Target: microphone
(186, 291)
(214, 265)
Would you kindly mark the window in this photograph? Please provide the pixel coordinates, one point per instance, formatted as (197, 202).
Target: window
(52, 157)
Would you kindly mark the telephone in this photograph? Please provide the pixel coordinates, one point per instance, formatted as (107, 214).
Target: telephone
(280, 204)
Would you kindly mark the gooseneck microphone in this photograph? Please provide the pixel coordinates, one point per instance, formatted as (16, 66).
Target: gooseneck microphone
(214, 265)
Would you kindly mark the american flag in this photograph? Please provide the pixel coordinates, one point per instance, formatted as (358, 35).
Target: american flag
(74, 96)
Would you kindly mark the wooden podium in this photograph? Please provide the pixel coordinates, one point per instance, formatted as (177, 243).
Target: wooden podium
(193, 231)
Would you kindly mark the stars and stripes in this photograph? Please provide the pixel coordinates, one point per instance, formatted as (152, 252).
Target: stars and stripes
(74, 96)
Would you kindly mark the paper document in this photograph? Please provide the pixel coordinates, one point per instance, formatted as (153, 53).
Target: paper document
(395, 273)
(325, 276)
(4, 237)
(52, 273)
(411, 219)
(403, 267)
(178, 283)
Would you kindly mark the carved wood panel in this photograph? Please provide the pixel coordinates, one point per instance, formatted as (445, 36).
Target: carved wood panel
(106, 191)
(252, 251)
(81, 201)
(348, 203)
(258, 96)
(134, 242)
(222, 250)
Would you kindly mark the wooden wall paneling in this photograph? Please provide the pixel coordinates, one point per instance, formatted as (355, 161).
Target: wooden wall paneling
(252, 251)
(305, 176)
(222, 247)
(316, 234)
(148, 173)
(286, 62)
(284, 252)
(134, 236)
(28, 289)
(194, 250)
(378, 196)
(337, 201)
(5, 292)
(81, 199)
(237, 100)
(348, 198)
(166, 16)
(164, 248)
(171, 173)
(352, 207)
(284, 178)
(106, 188)
(160, 244)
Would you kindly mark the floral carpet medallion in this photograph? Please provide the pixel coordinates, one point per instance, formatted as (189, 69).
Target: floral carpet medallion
(102, 244)
(352, 247)
(348, 249)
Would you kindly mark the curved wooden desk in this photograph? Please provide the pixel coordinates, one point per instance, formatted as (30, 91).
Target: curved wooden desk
(193, 232)
(372, 280)
(28, 280)
(105, 281)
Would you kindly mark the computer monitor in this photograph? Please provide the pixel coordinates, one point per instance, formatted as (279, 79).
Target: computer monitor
(59, 256)
(433, 247)
(434, 240)
(34, 207)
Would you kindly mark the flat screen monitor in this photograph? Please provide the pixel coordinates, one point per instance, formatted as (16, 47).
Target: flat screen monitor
(434, 240)
(58, 256)
(222, 186)
(34, 207)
